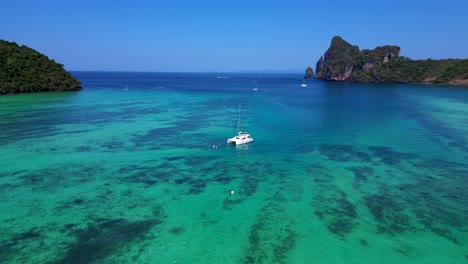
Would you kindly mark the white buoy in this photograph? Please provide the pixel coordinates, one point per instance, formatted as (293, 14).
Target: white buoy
(232, 192)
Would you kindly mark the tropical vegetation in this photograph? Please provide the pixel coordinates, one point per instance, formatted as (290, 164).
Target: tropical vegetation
(24, 70)
(345, 62)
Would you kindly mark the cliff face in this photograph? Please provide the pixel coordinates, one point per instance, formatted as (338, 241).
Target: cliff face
(345, 62)
(338, 61)
(24, 70)
(342, 59)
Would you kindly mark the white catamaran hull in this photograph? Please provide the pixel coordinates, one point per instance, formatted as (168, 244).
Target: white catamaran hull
(242, 138)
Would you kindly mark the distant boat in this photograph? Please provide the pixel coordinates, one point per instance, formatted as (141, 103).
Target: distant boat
(242, 137)
(255, 88)
(304, 84)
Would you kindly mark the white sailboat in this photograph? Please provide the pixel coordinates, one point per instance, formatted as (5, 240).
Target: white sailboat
(304, 84)
(255, 88)
(241, 137)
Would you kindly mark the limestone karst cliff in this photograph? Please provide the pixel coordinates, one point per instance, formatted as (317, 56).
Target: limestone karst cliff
(345, 62)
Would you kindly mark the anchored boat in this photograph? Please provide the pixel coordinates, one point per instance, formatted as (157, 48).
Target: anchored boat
(242, 137)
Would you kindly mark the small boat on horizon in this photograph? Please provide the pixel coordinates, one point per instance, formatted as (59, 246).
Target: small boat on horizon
(255, 88)
(241, 137)
(304, 84)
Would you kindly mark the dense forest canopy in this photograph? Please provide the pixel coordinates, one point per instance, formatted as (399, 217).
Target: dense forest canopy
(24, 70)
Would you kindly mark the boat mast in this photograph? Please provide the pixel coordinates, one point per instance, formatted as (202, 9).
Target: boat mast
(238, 120)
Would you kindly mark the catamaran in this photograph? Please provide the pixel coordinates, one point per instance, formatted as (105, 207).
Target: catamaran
(242, 136)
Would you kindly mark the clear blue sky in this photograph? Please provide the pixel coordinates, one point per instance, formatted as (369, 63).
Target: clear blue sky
(228, 35)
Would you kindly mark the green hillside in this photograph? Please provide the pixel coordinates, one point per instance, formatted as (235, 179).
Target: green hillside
(344, 62)
(24, 70)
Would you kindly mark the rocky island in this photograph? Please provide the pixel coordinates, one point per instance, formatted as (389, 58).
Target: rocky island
(345, 62)
(24, 70)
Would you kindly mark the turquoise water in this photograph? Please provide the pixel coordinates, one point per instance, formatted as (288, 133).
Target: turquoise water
(125, 172)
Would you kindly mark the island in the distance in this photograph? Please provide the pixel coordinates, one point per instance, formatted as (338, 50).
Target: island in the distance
(24, 70)
(345, 62)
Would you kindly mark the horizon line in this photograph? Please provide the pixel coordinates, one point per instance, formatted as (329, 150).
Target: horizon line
(246, 71)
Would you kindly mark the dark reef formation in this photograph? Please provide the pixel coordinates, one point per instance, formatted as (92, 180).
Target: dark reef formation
(24, 70)
(345, 62)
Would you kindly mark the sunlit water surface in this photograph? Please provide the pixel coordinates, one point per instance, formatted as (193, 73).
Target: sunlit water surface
(135, 169)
